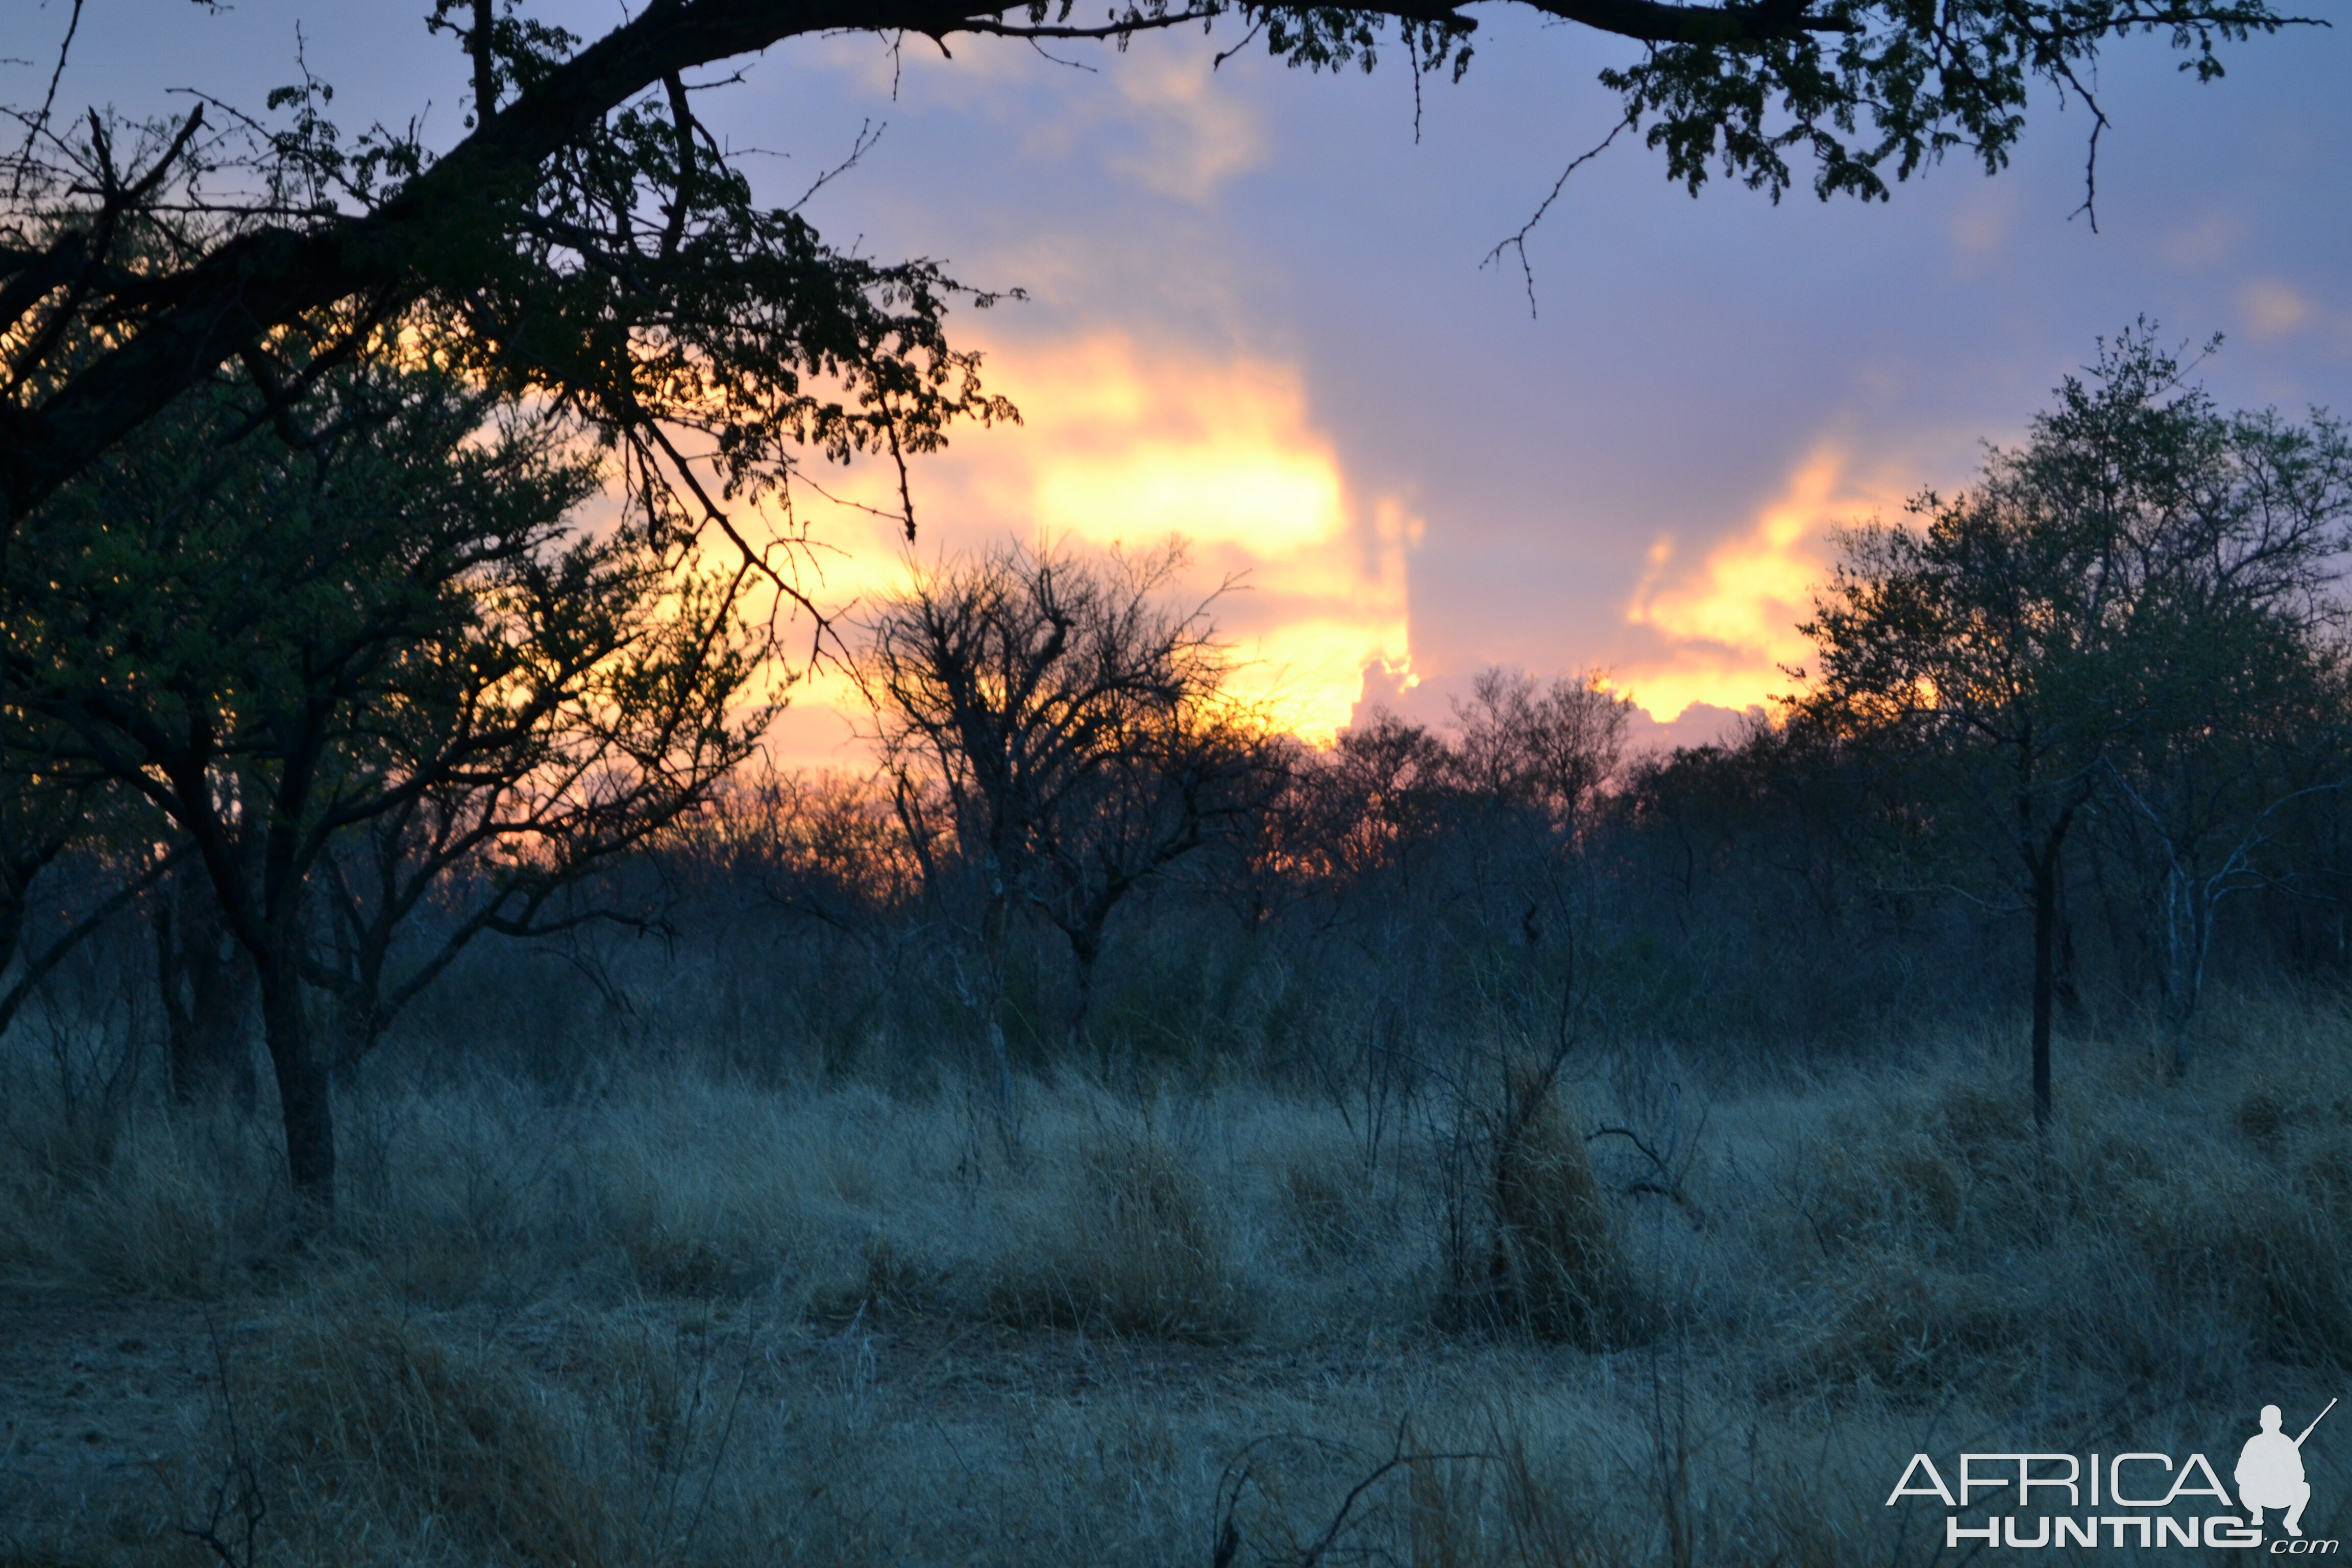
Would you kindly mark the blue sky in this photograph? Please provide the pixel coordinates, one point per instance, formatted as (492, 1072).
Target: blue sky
(1258, 315)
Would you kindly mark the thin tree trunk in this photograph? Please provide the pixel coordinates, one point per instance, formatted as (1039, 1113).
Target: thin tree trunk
(2189, 912)
(2045, 944)
(207, 996)
(1085, 947)
(2068, 975)
(12, 918)
(356, 1034)
(2179, 1000)
(992, 940)
(305, 1088)
(359, 1009)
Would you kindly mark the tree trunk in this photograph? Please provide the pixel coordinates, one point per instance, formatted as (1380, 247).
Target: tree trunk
(2190, 911)
(991, 1005)
(208, 1000)
(305, 1088)
(356, 1034)
(359, 1009)
(2042, 847)
(13, 902)
(1085, 947)
(2068, 979)
(223, 1009)
(2045, 945)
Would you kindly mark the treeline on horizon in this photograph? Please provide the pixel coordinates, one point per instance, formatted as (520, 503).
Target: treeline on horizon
(358, 745)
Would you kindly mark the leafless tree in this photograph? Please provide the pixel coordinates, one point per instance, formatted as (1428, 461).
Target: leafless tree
(1532, 760)
(1055, 734)
(1550, 748)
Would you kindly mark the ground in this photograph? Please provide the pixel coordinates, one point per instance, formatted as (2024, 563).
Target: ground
(687, 1320)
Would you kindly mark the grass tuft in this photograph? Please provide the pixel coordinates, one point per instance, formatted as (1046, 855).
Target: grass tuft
(1143, 1246)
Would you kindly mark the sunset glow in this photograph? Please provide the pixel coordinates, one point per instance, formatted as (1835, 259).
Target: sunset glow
(1127, 446)
(1730, 618)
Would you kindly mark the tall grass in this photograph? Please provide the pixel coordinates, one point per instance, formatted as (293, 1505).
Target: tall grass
(679, 1316)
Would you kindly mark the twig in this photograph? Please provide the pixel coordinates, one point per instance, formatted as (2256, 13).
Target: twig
(251, 1508)
(1519, 241)
(39, 122)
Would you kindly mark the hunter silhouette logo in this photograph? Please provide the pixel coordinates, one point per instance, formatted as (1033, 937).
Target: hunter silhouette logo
(2269, 1471)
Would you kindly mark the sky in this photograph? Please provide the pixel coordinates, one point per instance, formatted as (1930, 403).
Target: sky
(1260, 316)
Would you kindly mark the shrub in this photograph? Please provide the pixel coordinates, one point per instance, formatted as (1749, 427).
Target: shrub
(1557, 1263)
(1144, 1248)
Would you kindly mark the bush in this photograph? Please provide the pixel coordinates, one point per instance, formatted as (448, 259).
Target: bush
(1557, 1264)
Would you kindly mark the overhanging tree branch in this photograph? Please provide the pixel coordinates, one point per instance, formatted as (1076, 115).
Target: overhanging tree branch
(1870, 89)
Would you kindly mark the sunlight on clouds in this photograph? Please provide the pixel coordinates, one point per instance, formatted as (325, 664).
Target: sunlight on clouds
(1125, 444)
(2273, 309)
(1195, 136)
(1729, 621)
(1269, 501)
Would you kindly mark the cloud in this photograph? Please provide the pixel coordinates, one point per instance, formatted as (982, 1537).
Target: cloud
(1982, 224)
(2273, 309)
(1194, 136)
(1163, 118)
(1729, 620)
(1125, 443)
(2209, 240)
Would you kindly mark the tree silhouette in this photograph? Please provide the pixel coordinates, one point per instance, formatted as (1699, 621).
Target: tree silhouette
(1056, 736)
(278, 642)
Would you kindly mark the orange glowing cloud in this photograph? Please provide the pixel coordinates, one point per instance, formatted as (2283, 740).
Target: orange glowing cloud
(1124, 443)
(1729, 620)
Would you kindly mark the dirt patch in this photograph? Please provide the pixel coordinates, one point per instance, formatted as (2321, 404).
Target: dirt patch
(92, 1392)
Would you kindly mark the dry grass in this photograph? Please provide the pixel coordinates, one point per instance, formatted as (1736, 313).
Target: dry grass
(1141, 1243)
(1556, 1253)
(683, 1320)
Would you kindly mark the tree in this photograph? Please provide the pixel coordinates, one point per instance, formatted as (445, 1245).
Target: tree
(2104, 590)
(2248, 698)
(278, 642)
(53, 808)
(641, 739)
(1055, 737)
(588, 239)
(1547, 749)
(44, 801)
(1373, 803)
(1536, 757)
(2203, 809)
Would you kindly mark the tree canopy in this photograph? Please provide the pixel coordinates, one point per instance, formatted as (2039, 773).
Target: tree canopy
(588, 240)
(389, 624)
